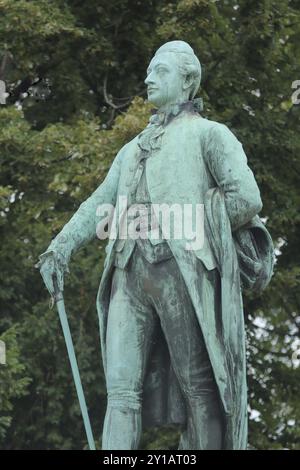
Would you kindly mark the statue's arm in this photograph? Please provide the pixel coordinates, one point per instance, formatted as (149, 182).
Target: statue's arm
(227, 162)
(81, 228)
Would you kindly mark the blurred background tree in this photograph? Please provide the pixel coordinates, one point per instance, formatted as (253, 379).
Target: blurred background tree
(74, 76)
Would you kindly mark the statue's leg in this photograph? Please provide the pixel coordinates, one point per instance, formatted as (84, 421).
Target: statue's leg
(131, 322)
(189, 357)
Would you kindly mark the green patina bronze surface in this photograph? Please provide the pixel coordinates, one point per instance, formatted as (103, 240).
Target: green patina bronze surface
(171, 319)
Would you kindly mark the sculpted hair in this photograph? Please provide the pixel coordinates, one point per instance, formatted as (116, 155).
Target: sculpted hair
(188, 62)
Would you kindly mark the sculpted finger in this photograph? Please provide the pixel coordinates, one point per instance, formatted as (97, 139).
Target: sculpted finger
(60, 280)
(47, 278)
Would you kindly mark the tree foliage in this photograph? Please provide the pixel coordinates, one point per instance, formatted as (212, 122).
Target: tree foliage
(74, 72)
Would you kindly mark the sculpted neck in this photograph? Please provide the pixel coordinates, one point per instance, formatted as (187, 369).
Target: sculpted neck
(168, 107)
(165, 113)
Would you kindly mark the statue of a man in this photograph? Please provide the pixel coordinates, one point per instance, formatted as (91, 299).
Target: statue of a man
(171, 317)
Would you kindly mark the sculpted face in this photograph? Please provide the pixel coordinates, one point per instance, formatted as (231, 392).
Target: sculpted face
(165, 83)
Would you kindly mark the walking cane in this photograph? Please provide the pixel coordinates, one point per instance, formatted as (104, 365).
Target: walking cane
(59, 300)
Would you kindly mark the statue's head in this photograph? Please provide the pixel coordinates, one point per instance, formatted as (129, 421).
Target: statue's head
(173, 75)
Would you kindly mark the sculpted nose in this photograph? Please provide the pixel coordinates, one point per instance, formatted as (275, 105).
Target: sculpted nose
(149, 79)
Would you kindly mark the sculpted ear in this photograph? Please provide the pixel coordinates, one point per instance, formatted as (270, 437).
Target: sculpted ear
(188, 81)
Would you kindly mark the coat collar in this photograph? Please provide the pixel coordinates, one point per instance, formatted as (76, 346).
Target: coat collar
(150, 138)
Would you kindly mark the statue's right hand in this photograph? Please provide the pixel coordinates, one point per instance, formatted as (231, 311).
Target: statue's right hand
(48, 270)
(51, 267)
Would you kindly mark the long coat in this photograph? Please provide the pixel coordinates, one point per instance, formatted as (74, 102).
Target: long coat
(194, 157)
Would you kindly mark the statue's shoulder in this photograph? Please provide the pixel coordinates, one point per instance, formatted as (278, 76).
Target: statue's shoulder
(127, 149)
(214, 131)
(208, 126)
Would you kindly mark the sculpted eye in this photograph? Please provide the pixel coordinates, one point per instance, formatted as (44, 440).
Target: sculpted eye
(162, 70)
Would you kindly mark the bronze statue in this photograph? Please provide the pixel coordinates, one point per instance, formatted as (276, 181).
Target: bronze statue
(171, 315)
